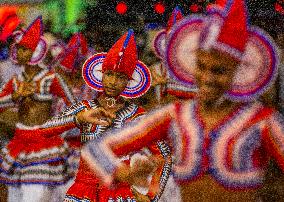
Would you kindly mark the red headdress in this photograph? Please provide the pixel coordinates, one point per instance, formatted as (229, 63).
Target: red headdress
(69, 59)
(80, 40)
(122, 57)
(76, 47)
(225, 29)
(223, 33)
(174, 87)
(159, 42)
(174, 18)
(32, 35)
(31, 38)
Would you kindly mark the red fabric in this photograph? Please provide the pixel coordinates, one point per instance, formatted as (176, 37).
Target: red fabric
(68, 62)
(122, 57)
(32, 35)
(87, 186)
(152, 134)
(27, 141)
(74, 142)
(234, 30)
(57, 89)
(79, 40)
(7, 89)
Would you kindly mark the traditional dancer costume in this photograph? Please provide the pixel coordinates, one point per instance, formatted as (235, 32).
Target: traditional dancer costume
(70, 61)
(120, 58)
(173, 85)
(29, 158)
(235, 153)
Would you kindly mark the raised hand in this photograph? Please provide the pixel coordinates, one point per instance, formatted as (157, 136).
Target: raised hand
(139, 171)
(97, 116)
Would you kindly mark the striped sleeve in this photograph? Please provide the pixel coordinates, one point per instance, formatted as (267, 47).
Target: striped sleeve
(162, 174)
(60, 89)
(102, 155)
(64, 121)
(274, 137)
(6, 94)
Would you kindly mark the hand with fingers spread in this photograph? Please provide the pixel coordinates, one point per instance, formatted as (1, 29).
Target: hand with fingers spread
(25, 89)
(97, 116)
(139, 172)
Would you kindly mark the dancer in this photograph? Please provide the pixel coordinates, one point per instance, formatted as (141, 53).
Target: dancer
(223, 139)
(30, 164)
(116, 74)
(166, 81)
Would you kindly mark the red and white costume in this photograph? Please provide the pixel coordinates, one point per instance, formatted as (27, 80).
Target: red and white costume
(39, 151)
(122, 58)
(30, 163)
(236, 152)
(173, 86)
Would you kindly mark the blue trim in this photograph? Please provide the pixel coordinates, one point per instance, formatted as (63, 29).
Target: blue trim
(17, 164)
(17, 182)
(176, 11)
(129, 34)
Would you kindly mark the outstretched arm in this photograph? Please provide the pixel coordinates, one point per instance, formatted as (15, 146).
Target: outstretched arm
(102, 155)
(74, 116)
(63, 122)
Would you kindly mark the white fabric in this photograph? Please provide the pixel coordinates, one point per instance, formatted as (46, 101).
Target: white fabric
(14, 193)
(58, 192)
(38, 193)
(171, 192)
(35, 193)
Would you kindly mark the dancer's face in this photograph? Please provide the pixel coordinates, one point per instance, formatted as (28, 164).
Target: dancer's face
(24, 55)
(114, 83)
(214, 74)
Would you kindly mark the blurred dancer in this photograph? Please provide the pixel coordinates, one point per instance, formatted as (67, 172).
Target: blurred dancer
(222, 140)
(167, 85)
(30, 164)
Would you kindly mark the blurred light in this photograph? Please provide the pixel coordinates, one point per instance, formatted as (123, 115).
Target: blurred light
(279, 8)
(121, 8)
(194, 8)
(159, 8)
